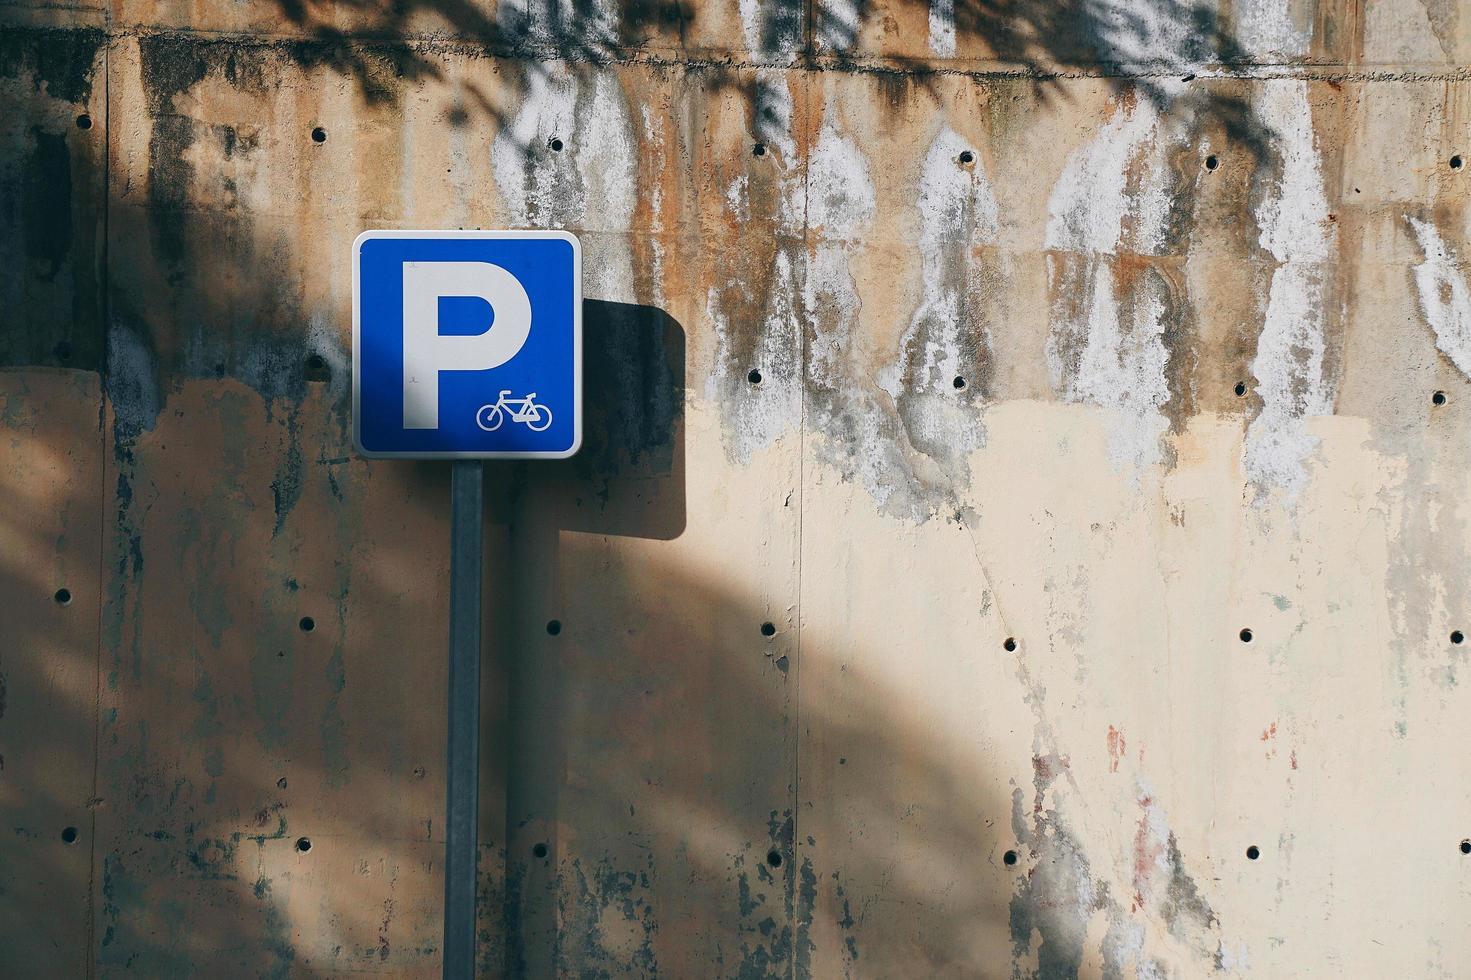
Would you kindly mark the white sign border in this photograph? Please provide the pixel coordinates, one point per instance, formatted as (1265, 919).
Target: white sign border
(357, 313)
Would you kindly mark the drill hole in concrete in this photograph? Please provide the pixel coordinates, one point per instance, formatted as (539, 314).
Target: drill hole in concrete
(1252, 853)
(554, 627)
(1438, 398)
(768, 629)
(1466, 847)
(773, 858)
(759, 150)
(303, 844)
(539, 851)
(1457, 162)
(1009, 857)
(84, 121)
(754, 377)
(1245, 636)
(1010, 645)
(314, 362)
(1212, 162)
(555, 144)
(959, 383)
(281, 783)
(63, 597)
(967, 157)
(69, 835)
(1240, 388)
(319, 135)
(1457, 637)
(307, 624)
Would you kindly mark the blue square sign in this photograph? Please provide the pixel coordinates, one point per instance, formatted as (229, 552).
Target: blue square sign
(467, 344)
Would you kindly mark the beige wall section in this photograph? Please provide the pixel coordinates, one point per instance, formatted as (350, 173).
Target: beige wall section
(1075, 354)
(52, 479)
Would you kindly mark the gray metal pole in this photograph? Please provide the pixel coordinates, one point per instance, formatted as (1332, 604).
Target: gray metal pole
(463, 770)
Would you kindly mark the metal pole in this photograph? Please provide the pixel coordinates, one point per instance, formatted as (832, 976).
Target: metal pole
(463, 770)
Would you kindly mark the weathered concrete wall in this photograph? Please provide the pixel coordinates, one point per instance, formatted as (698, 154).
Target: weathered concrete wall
(1012, 361)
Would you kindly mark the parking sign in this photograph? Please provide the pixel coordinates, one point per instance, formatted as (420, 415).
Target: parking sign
(467, 344)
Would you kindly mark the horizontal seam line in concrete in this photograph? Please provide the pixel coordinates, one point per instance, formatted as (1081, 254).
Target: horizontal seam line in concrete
(799, 62)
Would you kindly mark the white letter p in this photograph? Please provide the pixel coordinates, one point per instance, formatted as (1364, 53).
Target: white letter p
(427, 352)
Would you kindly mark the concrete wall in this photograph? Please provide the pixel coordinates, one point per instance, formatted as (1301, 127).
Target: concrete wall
(1011, 360)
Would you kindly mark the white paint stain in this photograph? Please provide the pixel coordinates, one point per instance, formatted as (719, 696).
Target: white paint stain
(840, 195)
(942, 28)
(957, 213)
(551, 22)
(1264, 29)
(758, 414)
(1444, 298)
(761, 413)
(1122, 367)
(1140, 34)
(838, 24)
(1106, 349)
(1296, 231)
(957, 210)
(534, 183)
(774, 107)
(751, 24)
(842, 205)
(590, 185)
(1091, 200)
(771, 28)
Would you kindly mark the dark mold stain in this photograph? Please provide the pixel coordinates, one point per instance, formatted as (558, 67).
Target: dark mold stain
(47, 202)
(61, 61)
(286, 487)
(52, 198)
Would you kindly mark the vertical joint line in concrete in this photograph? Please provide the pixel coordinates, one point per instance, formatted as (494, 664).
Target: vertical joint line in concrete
(803, 324)
(89, 931)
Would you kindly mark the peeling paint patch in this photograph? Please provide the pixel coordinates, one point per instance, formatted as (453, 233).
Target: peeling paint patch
(1445, 302)
(1117, 746)
(610, 924)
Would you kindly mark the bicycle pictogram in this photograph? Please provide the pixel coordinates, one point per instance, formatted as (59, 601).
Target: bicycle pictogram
(536, 417)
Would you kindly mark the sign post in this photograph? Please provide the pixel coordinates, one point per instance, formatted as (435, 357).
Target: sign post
(467, 345)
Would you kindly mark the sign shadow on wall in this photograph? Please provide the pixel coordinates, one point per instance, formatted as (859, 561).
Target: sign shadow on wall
(627, 481)
(628, 478)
